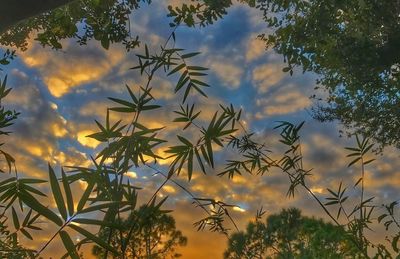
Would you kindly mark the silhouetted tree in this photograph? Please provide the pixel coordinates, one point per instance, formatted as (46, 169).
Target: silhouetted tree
(154, 235)
(290, 235)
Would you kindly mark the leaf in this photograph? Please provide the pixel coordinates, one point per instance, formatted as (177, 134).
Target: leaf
(26, 233)
(93, 222)
(27, 217)
(210, 153)
(354, 161)
(93, 238)
(185, 141)
(189, 55)
(69, 244)
(55, 188)
(359, 180)
(197, 68)
(369, 161)
(15, 218)
(85, 196)
(68, 194)
(31, 180)
(394, 243)
(190, 164)
(98, 207)
(176, 69)
(199, 160)
(381, 217)
(31, 202)
(331, 203)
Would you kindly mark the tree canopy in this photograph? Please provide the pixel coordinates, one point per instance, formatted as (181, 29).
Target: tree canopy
(352, 46)
(104, 21)
(154, 235)
(290, 235)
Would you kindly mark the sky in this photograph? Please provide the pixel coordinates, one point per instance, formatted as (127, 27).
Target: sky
(61, 93)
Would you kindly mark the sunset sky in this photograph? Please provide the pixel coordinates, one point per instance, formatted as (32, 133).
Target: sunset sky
(61, 93)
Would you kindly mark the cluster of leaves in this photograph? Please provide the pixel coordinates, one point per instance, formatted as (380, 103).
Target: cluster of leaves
(7, 118)
(13, 188)
(8, 55)
(104, 21)
(201, 12)
(352, 46)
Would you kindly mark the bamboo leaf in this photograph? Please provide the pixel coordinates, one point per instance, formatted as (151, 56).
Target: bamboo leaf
(68, 194)
(69, 244)
(85, 196)
(93, 238)
(34, 204)
(55, 188)
(26, 233)
(15, 218)
(176, 69)
(189, 55)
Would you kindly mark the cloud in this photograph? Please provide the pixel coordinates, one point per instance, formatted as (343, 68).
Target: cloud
(255, 48)
(61, 71)
(283, 102)
(267, 76)
(228, 73)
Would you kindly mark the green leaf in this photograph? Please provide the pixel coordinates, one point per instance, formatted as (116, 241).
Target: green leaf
(189, 55)
(69, 244)
(185, 141)
(210, 153)
(93, 222)
(93, 238)
(98, 207)
(331, 203)
(68, 193)
(26, 233)
(197, 68)
(394, 243)
(31, 180)
(354, 161)
(190, 164)
(15, 218)
(199, 160)
(85, 196)
(31, 202)
(176, 69)
(55, 188)
(381, 217)
(27, 217)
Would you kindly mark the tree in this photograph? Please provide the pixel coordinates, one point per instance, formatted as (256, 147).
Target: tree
(290, 235)
(248, 244)
(154, 235)
(353, 48)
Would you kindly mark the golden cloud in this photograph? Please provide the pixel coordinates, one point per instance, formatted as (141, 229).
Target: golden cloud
(73, 67)
(266, 76)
